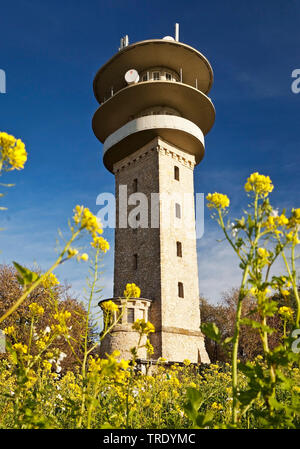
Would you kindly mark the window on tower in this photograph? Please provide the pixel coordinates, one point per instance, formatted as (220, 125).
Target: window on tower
(176, 173)
(179, 249)
(130, 315)
(135, 185)
(135, 261)
(180, 290)
(177, 210)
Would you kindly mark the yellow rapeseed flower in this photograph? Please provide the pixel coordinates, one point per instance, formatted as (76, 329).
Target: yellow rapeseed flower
(217, 406)
(72, 252)
(286, 313)
(149, 348)
(84, 219)
(12, 152)
(132, 291)
(50, 280)
(187, 362)
(9, 330)
(47, 365)
(259, 184)
(19, 347)
(100, 243)
(293, 237)
(294, 219)
(143, 327)
(109, 306)
(217, 201)
(36, 309)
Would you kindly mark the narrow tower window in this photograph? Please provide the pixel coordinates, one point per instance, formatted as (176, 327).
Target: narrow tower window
(180, 290)
(176, 173)
(177, 210)
(135, 185)
(135, 261)
(179, 249)
(130, 315)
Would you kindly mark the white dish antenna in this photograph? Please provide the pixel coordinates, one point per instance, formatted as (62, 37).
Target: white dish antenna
(132, 76)
(168, 38)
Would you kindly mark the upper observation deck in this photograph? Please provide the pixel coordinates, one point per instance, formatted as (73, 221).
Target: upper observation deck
(167, 98)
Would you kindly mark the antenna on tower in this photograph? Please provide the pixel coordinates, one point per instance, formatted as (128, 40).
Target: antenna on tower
(124, 42)
(177, 32)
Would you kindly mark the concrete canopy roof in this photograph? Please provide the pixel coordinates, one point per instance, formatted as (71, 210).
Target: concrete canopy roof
(130, 101)
(153, 53)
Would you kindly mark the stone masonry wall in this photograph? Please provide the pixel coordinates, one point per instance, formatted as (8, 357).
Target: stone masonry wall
(177, 320)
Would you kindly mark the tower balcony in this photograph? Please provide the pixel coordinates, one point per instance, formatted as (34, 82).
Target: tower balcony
(117, 125)
(182, 62)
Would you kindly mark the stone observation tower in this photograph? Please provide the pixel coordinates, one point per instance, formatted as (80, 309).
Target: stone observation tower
(153, 115)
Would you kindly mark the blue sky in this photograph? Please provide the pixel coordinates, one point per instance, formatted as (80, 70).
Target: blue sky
(51, 51)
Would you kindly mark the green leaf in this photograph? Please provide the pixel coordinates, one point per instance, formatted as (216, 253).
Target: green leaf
(25, 276)
(211, 331)
(191, 407)
(205, 420)
(245, 397)
(257, 325)
(228, 340)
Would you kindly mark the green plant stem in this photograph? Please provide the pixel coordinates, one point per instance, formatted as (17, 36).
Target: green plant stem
(85, 354)
(39, 280)
(235, 347)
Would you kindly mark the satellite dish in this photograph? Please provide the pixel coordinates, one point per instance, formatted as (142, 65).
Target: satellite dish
(132, 76)
(168, 38)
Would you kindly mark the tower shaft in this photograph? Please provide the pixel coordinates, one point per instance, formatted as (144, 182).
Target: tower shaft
(161, 258)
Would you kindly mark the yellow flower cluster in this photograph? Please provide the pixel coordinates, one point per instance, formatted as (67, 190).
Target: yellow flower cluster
(84, 219)
(13, 153)
(47, 365)
(293, 237)
(9, 330)
(35, 309)
(216, 406)
(49, 280)
(19, 347)
(132, 291)
(272, 223)
(259, 184)
(187, 362)
(286, 313)
(100, 243)
(149, 348)
(263, 257)
(62, 316)
(217, 201)
(143, 327)
(294, 220)
(109, 367)
(31, 378)
(109, 306)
